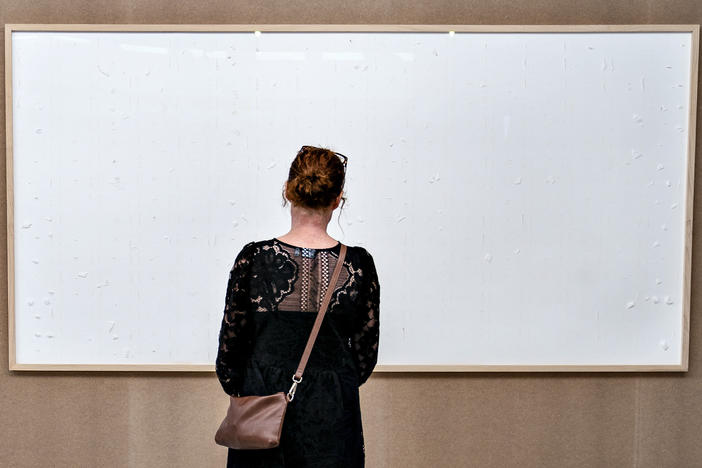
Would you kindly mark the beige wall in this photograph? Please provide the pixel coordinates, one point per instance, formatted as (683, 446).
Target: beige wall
(115, 419)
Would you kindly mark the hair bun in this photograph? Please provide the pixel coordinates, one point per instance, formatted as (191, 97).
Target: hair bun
(316, 178)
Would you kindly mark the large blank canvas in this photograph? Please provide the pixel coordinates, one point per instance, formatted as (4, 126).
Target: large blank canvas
(524, 194)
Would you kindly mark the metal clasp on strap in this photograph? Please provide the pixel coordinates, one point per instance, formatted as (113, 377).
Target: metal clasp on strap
(291, 392)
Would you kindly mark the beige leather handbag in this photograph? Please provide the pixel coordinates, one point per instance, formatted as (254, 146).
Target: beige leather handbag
(256, 422)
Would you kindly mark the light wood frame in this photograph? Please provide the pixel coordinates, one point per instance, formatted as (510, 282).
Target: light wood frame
(692, 28)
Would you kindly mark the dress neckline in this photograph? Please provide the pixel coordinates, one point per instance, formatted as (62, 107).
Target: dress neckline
(275, 239)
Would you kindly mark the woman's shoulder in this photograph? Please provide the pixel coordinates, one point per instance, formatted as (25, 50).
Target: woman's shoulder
(353, 252)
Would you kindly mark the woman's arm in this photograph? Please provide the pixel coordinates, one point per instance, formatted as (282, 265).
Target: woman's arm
(235, 333)
(367, 329)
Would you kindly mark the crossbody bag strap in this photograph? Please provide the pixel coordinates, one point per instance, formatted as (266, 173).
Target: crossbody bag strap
(297, 377)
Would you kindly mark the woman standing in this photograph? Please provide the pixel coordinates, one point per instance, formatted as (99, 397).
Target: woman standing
(273, 296)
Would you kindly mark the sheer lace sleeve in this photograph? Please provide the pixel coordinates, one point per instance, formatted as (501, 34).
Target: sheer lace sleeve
(367, 332)
(235, 332)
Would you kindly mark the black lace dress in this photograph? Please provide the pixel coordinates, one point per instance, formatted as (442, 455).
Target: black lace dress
(272, 299)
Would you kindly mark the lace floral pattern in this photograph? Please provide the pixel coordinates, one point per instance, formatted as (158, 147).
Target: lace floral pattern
(274, 278)
(271, 302)
(365, 340)
(235, 331)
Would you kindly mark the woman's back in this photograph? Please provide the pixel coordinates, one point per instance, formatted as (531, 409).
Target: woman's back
(272, 301)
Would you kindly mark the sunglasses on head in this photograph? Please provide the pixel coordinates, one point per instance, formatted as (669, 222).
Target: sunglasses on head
(343, 158)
